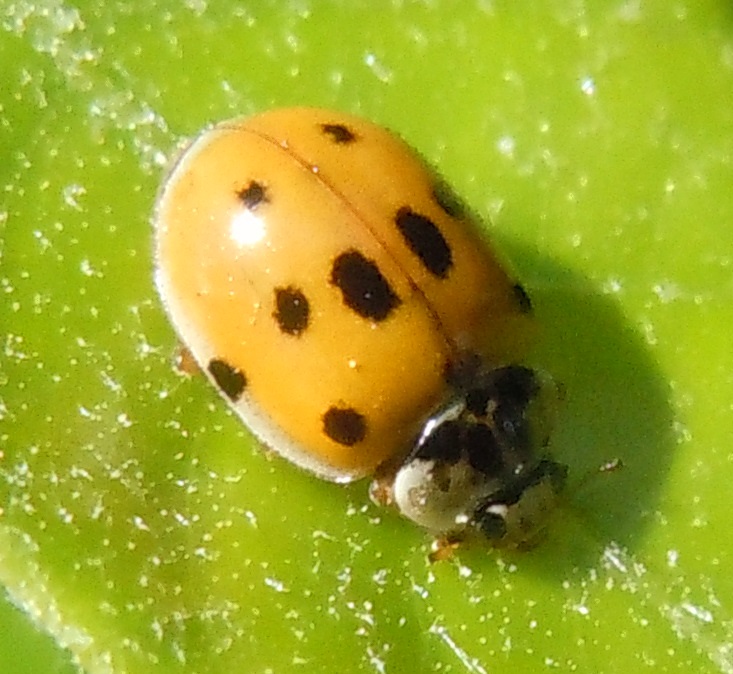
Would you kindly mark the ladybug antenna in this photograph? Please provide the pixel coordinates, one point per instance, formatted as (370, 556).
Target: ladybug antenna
(610, 466)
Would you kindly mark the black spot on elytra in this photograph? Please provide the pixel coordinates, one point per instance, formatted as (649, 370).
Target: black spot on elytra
(339, 133)
(292, 310)
(363, 287)
(523, 299)
(448, 200)
(425, 240)
(253, 195)
(228, 378)
(344, 425)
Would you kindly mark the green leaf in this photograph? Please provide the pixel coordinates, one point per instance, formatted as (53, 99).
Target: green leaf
(140, 525)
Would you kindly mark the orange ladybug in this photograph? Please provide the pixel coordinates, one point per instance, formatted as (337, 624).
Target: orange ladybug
(350, 311)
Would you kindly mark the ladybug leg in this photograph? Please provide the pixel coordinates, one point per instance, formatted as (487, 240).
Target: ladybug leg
(184, 362)
(380, 489)
(443, 548)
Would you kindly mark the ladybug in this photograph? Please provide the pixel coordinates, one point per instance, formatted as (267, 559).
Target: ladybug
(346, 305)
